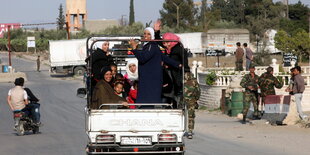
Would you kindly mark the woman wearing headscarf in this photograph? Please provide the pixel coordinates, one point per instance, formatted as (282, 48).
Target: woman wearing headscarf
(103, 92)
(99, 58)
(176, 51)
(131, 71)
(150, 73)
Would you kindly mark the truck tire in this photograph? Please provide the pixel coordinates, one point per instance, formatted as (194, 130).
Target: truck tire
(79, 71)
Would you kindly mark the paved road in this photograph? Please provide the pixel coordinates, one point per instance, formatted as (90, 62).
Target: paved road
(61, 111)
(63, 130)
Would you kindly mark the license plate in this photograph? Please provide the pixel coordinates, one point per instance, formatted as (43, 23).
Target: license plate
(136, 141)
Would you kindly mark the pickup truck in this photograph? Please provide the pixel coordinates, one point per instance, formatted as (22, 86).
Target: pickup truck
(139, 131)
(132, 131)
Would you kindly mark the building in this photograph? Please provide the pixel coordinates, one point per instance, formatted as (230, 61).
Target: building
(95, 26)
(226, 39)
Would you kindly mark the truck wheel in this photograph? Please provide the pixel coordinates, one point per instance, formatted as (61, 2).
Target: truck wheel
(79, 71)
(20, 129)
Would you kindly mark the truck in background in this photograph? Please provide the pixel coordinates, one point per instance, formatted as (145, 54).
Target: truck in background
(68, 56)
(194, 42)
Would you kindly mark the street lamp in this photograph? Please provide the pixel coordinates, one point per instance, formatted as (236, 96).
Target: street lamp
(177, 6)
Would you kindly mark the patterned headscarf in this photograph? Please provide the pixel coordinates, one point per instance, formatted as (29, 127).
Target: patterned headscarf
(171, 36)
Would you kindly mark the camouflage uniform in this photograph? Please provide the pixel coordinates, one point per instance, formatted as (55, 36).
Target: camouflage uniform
(191, 95)
(267, 82)
(250, 95)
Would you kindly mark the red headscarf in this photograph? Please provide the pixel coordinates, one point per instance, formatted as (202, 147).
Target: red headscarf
(171, 36)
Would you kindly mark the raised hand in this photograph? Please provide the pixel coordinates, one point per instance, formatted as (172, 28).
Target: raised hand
(157, 25)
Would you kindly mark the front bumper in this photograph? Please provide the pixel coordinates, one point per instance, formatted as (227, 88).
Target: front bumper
(168, 148)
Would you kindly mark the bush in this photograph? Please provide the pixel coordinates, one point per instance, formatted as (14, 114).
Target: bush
(42, 44)
(3, 43)
(211, 78)
(19, 45)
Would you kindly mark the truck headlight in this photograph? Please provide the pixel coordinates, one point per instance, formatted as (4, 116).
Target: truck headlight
(105, 138)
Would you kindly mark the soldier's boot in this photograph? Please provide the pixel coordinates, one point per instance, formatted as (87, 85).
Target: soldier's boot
(243, 119)
(190, 135)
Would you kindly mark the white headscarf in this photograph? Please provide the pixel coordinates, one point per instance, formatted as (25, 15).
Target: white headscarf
(151, 30)
(132, 76)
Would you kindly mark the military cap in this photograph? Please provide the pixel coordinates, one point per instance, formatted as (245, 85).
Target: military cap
(252, 65)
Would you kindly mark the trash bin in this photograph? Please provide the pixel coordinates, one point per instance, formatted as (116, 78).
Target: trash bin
(5, 68)
(236, 103)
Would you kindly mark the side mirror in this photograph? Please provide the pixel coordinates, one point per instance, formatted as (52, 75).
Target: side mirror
(81, 92)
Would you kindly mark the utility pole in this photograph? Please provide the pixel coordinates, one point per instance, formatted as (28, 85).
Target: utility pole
(287, 9)
(178, 22)
(9, 45)
(68, 30)
(123, 20)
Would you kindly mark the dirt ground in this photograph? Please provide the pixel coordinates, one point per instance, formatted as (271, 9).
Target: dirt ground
(285, 139)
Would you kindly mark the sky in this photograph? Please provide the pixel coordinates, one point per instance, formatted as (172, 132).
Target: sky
(42, 11)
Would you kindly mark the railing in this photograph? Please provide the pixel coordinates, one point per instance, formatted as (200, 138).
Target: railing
(304, 69)
(225, 80)
(230, 70)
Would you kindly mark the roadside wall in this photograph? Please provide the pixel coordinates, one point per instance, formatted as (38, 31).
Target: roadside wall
(210, 96)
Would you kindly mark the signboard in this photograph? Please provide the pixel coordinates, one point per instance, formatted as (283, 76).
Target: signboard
(288, 57)
(31, 42)
(4, 27)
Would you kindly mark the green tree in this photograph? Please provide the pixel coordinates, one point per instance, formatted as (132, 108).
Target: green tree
(135, 29)
(298, 43)
(61, 18)
(187, 12)
(298, 18)
(203, 12)
(283, 41)
(220, 7)
(131, 13)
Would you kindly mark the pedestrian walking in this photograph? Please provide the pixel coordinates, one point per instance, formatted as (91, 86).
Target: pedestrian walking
(250, 83)
(239, 57)
(191, 96)
(267, 82)
(248, 56)
(38, 63)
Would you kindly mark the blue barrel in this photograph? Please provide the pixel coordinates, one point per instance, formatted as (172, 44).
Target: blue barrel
(5, 68)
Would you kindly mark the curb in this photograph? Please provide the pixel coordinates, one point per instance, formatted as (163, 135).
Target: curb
(10, 77)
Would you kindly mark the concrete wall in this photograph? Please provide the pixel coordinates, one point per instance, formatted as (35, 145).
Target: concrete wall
(210, 96)
(98, 25)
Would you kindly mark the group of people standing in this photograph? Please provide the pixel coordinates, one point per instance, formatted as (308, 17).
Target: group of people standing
(239, 54)
(265, 85)
(157, 76)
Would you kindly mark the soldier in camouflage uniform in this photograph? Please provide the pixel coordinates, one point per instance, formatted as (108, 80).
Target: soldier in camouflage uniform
(191, 95)
(267, 82)
(250, 83)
